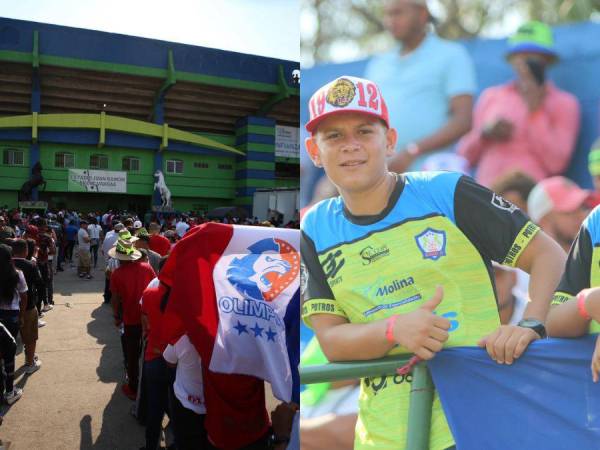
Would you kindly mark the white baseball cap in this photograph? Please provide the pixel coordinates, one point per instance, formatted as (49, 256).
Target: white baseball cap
(555, 194)
(137, 224)
(346, 94)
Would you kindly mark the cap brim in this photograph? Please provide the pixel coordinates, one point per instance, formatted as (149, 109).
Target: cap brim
(528, 47)
(121, 257)
(572, 200)
(313, 124)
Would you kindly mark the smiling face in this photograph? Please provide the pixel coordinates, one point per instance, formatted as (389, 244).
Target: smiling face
(352, 148)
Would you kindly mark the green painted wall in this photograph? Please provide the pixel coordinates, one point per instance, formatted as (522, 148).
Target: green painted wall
(13, 177)
(196, 188)
(201, 182)
(140, 183)
(8, 198)
(202, 204)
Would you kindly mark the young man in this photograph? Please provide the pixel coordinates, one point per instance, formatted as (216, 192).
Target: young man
(402, 263)
(429, 82)
(46, 251)
(95, 232)
(84, 267)
(127, 283)
(158, 242)
(29, 327)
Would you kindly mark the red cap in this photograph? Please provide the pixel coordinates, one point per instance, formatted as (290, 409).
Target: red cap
(555, 194)
(32, 229)
(346, 94)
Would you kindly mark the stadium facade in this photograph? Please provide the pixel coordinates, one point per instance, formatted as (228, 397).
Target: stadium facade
(116, 120)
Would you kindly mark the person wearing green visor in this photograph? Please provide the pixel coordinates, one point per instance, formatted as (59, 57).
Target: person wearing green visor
(594, 165)
(527, 124)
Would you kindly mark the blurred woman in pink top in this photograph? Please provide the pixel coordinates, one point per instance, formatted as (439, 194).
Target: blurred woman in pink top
(528, 124)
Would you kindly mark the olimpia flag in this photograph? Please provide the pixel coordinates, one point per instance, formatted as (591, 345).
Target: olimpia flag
(235, 293)
(546, 399)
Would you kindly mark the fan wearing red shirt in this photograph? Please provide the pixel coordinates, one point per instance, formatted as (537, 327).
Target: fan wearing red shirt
(156, 379)
(158, 243)
(127, 283)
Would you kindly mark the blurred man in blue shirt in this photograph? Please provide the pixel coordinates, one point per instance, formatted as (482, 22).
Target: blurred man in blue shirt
(428, 83)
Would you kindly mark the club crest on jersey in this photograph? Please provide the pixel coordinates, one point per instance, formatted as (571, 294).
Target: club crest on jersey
(341, 93)
(432, 243)
(270, 268)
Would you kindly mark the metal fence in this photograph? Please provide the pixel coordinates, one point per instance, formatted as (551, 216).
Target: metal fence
(421, 389)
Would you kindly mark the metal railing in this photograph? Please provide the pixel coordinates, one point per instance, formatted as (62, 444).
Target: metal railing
(421, 389)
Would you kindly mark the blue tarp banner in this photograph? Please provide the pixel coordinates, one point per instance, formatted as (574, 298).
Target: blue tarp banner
(545, 400)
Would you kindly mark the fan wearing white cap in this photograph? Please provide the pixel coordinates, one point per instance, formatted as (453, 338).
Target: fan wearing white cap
(393, 248)
(428, 82)
(558, 206)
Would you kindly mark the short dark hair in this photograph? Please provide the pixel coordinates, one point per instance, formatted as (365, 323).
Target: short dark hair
(19, 246)
(516, 181)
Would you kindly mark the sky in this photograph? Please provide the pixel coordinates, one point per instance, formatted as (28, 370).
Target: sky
(260, 27)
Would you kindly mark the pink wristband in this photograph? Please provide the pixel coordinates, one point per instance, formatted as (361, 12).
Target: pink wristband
(389, 329)
(581, 305)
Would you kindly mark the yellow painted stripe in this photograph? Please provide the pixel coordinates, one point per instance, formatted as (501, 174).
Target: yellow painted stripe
(113, 123)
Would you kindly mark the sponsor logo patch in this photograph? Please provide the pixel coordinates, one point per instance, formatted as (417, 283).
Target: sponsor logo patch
(405, 301)
(371, 254)
(501, 203)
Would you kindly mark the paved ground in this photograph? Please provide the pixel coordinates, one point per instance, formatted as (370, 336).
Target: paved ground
(74, 401)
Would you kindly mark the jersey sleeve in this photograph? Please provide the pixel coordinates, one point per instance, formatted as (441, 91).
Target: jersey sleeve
(577, 270)
(496, 227)
(316, 293)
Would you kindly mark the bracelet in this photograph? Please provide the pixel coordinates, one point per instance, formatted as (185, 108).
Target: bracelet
(581, 297)
(389, 329)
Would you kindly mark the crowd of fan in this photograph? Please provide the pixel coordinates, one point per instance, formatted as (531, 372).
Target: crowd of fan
(35, 247)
